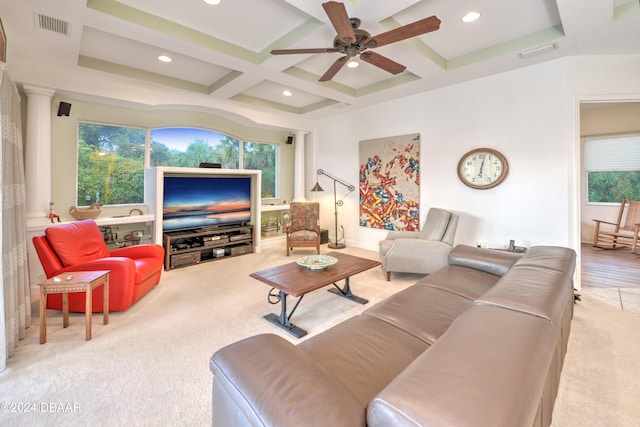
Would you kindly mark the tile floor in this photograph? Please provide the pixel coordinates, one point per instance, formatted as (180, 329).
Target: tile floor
(626, 299)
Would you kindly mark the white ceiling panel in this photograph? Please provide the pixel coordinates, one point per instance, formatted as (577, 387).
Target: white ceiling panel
(131, 53)
(246, 23)
(271, 91)
(221, 53)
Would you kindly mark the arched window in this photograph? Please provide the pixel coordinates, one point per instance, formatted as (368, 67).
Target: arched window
(188, 147)
(111, 159)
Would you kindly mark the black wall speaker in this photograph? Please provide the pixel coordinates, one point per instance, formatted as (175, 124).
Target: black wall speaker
(64, 108)
(289, 140)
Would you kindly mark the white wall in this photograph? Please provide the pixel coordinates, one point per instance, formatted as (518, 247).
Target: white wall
(530, 115)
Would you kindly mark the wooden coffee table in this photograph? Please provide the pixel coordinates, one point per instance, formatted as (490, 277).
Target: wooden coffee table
(295, 280)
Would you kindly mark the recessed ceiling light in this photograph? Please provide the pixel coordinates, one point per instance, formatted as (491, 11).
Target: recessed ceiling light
(287, 93)
(164, 58)
(353, 64)
(213, 2)
(470, 17)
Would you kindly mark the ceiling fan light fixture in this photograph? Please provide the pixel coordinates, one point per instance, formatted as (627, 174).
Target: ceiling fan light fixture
(470, 17)
(353, 64)
(164, 58)
(352, 41)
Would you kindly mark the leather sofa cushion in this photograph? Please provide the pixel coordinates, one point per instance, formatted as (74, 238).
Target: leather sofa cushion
(421, 311)
(77, 243)
(363, 353)
(532, 290)
(435, 225)
(462, 281)
(255, 374)
(551, 257)
(488, 260)
(484, 364)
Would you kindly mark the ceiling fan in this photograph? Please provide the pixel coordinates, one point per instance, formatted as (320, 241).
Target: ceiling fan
(352, 41)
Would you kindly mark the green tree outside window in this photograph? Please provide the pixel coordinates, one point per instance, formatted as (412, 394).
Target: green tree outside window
(612, 166)
(111, 159)
(610, 187)
(110, 165)
(262, 157)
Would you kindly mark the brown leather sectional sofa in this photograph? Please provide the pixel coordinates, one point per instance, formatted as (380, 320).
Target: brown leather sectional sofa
(480, 342)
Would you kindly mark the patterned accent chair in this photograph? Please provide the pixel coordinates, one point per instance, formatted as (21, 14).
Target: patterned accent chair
(423, 252)
(304, 228)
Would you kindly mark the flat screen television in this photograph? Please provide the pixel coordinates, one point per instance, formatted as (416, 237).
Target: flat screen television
(205, 201)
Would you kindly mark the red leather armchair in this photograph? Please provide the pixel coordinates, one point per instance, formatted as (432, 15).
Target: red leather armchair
(79, 246)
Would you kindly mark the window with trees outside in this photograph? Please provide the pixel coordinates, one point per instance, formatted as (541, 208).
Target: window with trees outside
(188, 147)
(612, 167)
(110, 164)
(261, 156)
(111, 159)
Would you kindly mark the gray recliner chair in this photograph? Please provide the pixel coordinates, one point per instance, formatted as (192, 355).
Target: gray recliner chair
(423, 252)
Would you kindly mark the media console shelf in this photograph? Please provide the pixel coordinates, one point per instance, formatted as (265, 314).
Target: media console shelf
(188, 247)
(155, 192)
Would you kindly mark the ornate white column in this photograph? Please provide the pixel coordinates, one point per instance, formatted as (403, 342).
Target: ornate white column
(299, 169)
(38, 151)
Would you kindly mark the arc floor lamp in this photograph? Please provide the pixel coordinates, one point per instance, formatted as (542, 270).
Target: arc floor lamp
(336, 203)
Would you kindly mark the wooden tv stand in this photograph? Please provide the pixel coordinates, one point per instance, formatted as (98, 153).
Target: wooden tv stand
(188, 247)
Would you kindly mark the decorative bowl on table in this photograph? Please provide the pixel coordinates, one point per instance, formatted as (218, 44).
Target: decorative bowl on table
(316, 262)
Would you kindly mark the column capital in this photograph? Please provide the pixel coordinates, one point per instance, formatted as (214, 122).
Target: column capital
(38, 90)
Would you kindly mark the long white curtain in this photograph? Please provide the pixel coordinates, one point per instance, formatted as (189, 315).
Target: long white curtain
(15, 298)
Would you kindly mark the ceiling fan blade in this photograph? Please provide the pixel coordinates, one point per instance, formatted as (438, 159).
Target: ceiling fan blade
(316, 50)
(417, 28)
(338, 16)
(382, 62)
(333, 70)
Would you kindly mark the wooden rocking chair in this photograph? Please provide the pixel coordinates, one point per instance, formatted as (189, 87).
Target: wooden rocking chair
(614, 235)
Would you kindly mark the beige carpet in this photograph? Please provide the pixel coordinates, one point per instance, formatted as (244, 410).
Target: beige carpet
(600, 383)
(150, 365)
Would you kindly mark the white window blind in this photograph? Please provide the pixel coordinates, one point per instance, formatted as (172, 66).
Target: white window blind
(615, 153)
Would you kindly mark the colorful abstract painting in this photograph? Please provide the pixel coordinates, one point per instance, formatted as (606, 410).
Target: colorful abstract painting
(390, 183)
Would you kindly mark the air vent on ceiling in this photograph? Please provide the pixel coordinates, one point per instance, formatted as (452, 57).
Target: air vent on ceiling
(538, 50)
(52, 24)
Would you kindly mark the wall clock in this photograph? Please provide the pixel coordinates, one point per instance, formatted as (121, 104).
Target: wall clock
(483, 168)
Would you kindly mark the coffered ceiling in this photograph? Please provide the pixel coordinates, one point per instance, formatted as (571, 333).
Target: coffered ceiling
(221, 54)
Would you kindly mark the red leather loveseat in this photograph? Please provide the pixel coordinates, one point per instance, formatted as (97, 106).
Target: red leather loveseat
(79, 246)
